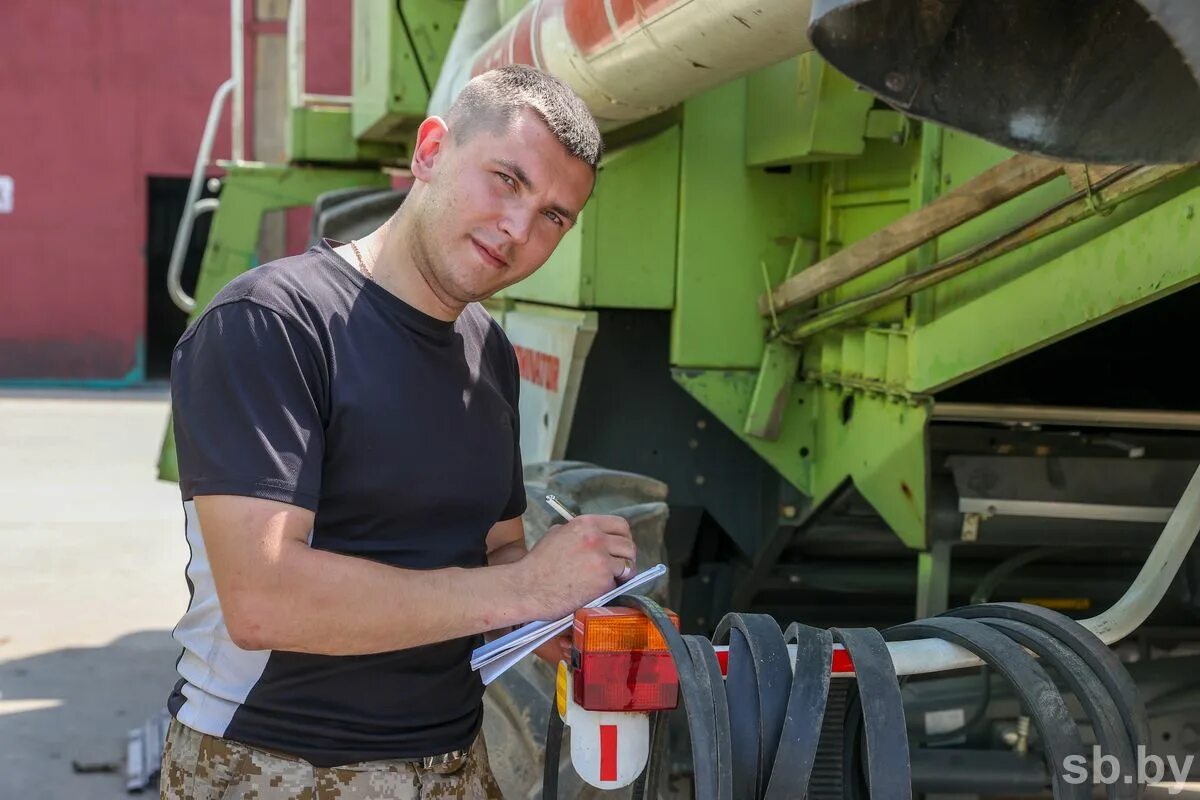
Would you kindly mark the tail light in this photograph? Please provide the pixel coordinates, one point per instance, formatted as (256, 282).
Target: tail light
(621, 662)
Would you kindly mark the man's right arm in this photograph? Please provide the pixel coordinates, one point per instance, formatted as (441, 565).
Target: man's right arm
(277, 593)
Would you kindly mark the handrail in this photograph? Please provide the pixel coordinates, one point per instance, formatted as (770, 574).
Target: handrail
(184, 234)
(296, 24)
(179, 297)
(237, 69)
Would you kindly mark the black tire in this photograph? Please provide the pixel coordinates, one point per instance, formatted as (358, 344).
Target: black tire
(346, 214)
(517, 705)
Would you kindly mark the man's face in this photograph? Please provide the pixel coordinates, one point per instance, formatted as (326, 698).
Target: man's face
(493, 208)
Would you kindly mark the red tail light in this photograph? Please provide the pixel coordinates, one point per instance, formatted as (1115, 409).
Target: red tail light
(622, 662)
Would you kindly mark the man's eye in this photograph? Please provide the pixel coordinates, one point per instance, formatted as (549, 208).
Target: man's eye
(555, 218)
(507, 180)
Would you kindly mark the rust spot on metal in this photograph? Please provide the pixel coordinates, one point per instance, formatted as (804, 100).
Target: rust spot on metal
(907, 491)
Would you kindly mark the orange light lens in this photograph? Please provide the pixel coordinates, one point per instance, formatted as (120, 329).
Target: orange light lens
(618, 630)
(622, 662)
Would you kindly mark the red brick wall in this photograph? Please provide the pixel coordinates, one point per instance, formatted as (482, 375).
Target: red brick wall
(94, 97)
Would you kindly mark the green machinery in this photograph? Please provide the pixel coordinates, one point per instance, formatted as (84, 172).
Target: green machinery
(852, 341)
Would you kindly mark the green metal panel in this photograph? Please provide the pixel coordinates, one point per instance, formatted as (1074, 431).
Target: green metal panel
(772, 391)
(830, 436)
(860, 196)
(1146, 256)
(621, 252)
(879, 444)
(322, 135)
(248, 193)
(398, 52)
(733, 221)
(561, 279)
(803, 110)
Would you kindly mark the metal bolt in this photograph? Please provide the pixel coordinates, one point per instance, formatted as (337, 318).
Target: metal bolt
(895, 81)
(789, 511)
(701, 621)
(705, 578)
(701, 424)
(1010, 738)
(970, 528)
(1022, 735)
(793, 578)
(214, 185)
(699, 480)
(692, 443)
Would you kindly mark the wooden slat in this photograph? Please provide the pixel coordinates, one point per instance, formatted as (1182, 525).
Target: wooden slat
(1001, 183)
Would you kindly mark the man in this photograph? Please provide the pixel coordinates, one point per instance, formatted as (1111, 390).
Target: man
(347, 431)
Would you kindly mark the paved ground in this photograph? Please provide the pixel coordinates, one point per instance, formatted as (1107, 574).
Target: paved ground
(92, 556)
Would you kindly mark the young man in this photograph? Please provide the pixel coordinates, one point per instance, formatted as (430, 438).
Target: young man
(347, 431)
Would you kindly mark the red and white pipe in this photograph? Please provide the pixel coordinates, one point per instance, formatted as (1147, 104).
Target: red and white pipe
(630, 59)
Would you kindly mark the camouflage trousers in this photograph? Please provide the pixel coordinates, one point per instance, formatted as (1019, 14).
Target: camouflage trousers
(197, 766)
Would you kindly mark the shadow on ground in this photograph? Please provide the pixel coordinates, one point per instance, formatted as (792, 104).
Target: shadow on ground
(78, 704)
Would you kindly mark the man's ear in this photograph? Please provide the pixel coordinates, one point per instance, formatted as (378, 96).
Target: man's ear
(430, 138)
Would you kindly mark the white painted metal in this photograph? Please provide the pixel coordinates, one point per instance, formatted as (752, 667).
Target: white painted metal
(658, 54)
(296, 22)
(1045, 509)
(1068, 416)
(237, 44)
(6, 194)
(479, 20)
(632, 746)
(184, 234)
(552, 346)
(182, 300)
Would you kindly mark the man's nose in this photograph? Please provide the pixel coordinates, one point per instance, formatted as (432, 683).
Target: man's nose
(517, 224)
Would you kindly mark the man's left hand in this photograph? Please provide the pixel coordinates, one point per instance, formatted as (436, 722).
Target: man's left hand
(555, 650)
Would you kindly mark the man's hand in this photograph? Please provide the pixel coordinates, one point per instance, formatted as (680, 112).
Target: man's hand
(555, 650)
(577, 562)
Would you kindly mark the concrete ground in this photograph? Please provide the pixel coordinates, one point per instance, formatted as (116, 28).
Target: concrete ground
(92, 558)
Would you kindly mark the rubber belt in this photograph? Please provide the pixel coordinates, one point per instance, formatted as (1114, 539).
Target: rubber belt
(702, 650)
(888, 766)
(758, 683)
(1106, 720)
(554, 737)
(1039, 696)
(801, 732)
(696, 688)
(1087, 645)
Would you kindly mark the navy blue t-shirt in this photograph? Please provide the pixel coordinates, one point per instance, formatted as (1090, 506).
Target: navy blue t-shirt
(306, 383)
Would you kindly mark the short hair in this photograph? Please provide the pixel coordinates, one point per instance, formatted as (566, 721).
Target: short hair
(494, 98)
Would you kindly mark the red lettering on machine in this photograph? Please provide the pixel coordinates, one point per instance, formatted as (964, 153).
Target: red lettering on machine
(540, 369)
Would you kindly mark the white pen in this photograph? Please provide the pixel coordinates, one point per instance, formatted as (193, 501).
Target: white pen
(554, 503)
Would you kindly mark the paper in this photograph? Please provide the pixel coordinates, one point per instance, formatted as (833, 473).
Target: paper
(493, 658)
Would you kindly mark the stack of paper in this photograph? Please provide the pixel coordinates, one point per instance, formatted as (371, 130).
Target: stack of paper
(495, 657)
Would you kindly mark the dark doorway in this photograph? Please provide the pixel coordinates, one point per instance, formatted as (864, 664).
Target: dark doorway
(165, 322)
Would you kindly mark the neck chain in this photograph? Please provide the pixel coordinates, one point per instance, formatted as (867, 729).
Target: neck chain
(363, 264)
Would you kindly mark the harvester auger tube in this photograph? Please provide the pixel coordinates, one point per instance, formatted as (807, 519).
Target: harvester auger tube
(755, 730)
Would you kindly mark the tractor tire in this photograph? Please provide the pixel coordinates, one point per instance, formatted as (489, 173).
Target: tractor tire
(517, 705)
(345, 214)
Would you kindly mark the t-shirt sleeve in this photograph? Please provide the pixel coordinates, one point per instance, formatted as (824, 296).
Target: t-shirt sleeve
(246, 399)
(516, 501)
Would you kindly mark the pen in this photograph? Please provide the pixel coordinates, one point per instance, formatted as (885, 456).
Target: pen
(561, 510)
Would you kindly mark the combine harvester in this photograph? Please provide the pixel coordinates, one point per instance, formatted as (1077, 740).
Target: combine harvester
(894, 297)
